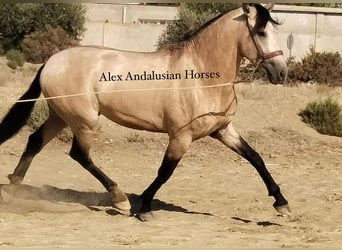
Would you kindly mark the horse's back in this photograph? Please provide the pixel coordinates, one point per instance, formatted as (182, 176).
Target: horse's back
(95, 67)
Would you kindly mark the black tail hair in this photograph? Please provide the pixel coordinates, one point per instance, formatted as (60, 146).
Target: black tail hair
(20, 112)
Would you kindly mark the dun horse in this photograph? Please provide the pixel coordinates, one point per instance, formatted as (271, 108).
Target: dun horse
(175, 91)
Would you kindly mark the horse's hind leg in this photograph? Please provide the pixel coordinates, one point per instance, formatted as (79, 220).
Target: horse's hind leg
(37, 140)
(80, 152)
(234, 141)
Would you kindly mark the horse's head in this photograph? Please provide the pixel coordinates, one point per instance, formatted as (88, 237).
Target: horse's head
(259, 41)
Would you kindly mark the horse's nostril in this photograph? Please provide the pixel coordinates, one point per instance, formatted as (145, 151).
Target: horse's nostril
(282, 74)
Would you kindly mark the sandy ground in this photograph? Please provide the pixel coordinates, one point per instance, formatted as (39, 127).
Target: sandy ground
(214, 199)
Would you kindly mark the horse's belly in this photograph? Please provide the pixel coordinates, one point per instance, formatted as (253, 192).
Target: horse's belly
(135, 117)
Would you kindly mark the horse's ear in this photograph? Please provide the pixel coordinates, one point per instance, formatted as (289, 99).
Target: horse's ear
(270, 6)
(246, 8)
(249, 10)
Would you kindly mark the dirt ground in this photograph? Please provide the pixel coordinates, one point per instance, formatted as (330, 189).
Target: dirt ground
(214, 199)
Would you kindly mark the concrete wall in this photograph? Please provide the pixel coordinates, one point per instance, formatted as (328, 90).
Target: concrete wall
(317, 27)
(126, 27)
(135, 27)
(124, 36)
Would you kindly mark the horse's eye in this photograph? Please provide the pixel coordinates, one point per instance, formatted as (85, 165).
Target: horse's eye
(261, 33)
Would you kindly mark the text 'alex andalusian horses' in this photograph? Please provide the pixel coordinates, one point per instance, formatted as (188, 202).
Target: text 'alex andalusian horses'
(178, 90)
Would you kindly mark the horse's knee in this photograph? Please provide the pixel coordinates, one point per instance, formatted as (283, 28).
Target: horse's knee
(229, 137)
(178, 147)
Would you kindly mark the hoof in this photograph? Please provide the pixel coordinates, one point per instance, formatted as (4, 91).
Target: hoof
(121, 202)
(145, 216)
(14, 179)
(7, 193)
(283, 210)
(123, 207)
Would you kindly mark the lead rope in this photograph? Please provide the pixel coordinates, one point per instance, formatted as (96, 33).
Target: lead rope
(125, 91)
(250, 78)
(260, 56)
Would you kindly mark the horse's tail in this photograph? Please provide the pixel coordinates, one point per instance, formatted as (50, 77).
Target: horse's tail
(20, 111)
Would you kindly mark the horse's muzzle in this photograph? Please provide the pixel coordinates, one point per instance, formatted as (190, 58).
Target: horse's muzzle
(276, 71)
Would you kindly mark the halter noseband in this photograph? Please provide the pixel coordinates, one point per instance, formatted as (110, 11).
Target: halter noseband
(270, 55)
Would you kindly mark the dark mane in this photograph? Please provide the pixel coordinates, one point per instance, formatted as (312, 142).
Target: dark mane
(194, 33)
(263, 16)
(189, 36)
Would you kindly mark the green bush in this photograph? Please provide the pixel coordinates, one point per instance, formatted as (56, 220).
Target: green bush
(191, 16)
(40, 45)
(65, 135)
(40, 114)
(250, 71)
(20, 19)
(324, 116)
(320, 67)
(15, 58)
(2, 51)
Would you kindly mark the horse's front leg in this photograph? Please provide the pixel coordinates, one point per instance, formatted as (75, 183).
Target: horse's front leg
(175, 151)
(234, 141)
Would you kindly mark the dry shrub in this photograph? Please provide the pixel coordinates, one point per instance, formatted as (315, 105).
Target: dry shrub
(324, 116)
(135, 138)
(15, 58)
(320, 67)
(40, 45)
(251, 71)
(39, 115)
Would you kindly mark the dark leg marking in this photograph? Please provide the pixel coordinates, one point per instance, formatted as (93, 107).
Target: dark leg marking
(83, 158)
(234, 141)
(254, 158)
(33, 147)
(120, 200)
(164, 173)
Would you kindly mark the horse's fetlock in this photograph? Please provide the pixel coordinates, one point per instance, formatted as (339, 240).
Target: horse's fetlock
(146, 197)
(14, 179)
(146, 205)
(119, 196)
(112, 188)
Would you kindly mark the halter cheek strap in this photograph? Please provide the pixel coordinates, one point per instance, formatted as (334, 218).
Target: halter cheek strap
(263, 56)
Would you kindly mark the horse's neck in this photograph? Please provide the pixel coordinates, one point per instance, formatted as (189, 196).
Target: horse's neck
(217, 48)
